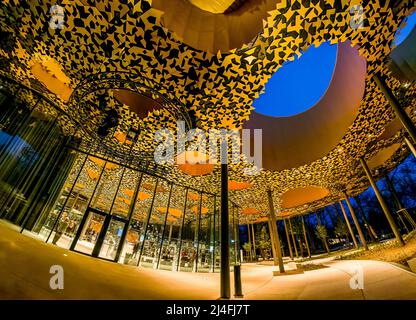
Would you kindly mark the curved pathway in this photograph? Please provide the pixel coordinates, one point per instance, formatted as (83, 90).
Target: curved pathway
(25, 264)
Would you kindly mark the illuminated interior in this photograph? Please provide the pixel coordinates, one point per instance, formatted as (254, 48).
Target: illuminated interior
(84, 110)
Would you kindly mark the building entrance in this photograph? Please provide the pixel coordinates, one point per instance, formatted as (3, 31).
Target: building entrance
(100, 234)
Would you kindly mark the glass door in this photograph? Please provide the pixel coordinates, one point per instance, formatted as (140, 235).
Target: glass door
(112, 237)
(101, 235)
(91, 231)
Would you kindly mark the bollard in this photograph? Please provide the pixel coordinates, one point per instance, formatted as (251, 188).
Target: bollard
(238, 292)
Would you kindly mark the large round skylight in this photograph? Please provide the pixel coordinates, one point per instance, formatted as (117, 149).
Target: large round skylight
(300, 84)
(405, 28)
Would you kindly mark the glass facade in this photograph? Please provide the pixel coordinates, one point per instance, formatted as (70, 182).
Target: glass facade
(74, 194)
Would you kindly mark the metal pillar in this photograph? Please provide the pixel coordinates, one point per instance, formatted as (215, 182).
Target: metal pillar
(225, 236)
(178, 261)
(306, 238)
(393, 192)
(237, 240)
(249, 242)
(357, 224)
(253, 235)
(157, 265)
(348, 224)
(271, 238)
(214, 247)
(366, 223)
(397, 108)
(288, 240)
(410, 145)
(197, 233)
(293, 238)
(382, 203)
(276, 242)
(399, 204)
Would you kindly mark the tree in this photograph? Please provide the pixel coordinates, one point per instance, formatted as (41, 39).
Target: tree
(341, 229)
(264, 243)
(322, 234)
(247, 248)
(298, 231)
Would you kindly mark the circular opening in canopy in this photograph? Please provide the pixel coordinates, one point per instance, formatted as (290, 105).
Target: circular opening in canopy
(298, 85)
(405, 29)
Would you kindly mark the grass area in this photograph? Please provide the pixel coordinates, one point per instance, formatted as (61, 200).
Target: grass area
(388, 251)
(328, 255)
(310, 266)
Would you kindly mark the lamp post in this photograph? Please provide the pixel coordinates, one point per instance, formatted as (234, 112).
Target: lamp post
(225, 237)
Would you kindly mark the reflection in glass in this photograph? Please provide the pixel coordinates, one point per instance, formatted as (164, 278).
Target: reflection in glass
(112, 240)
(73, 193)
(89, 234)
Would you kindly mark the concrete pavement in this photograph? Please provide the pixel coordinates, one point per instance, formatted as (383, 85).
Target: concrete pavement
(25, 264)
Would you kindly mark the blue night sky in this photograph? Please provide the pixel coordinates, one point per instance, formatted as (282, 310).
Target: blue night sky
(298, 85)
(407, 26)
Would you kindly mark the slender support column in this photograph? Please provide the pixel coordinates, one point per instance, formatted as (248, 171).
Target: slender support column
(178, 261)
(276, 242)
(237, 242)
(271, 239)
(370, 230)
(357, 224)
(253, 235)
(410, 145)
(299, 239)
(394, 193)
(399, 204)
(348, 224)
(214, 246)
(197, 234)
(250, 253)
(306, 238)
(397, 108)
(225, 235)
(293, 239)
(382, 203)
(288, 240)
(157, 264)
(342, 217)
(309, 234)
